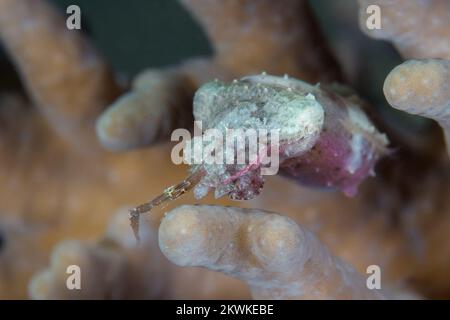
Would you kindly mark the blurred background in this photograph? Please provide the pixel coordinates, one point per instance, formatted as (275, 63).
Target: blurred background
(138, 34)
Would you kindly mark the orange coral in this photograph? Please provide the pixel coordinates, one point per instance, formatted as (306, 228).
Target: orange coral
(280, 36)
(64, 75)
(276, 257)
(116, 268)
(65, 186)
(418, 29)
(422, 87)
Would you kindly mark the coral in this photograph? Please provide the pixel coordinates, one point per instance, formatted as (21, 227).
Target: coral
(277, 258)
(21, 244)
(247, 37)
(64, 75)
(64, 186)
(115, 268)
(418, 29)
(407, 252)
(100, 269)
(280, 35)
(422, 87)
(325, 140)
(272, 254)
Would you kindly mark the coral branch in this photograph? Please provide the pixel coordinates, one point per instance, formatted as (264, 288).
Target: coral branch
(99, 269)
(281, 36)
(157, 104)
(272, 254)
(65, 76)
(419, 29)
(249, 37)
(20, 254)
(51, 191)
(325, 140)
(422, 87)
(115, 268)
